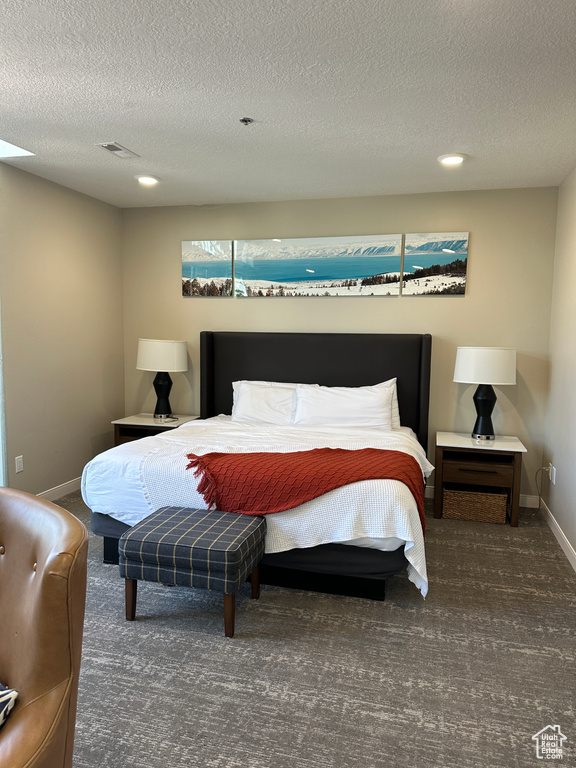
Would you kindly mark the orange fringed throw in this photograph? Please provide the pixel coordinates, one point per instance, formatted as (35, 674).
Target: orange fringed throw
(263, 483)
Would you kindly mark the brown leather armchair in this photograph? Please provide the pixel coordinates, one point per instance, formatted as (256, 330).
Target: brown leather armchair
(43, 551)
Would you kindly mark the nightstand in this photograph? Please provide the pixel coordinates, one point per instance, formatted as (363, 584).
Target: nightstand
(465, 463)
(144, 425)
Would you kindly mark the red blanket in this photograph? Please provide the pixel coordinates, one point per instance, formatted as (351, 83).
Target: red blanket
(262, 483)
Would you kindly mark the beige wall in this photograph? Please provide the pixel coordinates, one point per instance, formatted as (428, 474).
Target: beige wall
(61, 323)
(561, 417)
(63, 290)
(507, 303)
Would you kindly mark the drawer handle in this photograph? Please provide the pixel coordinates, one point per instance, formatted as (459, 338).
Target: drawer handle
(479, 471)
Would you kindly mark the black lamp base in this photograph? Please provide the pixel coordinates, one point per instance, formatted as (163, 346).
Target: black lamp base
(162, 387)
(484, 400)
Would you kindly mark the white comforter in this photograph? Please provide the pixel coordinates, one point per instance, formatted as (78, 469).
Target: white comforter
(132, 480)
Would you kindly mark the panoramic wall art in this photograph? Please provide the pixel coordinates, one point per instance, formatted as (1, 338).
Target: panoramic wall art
(363, 265)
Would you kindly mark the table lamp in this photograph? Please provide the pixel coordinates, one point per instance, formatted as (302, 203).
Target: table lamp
(485, 366)
(164, 357)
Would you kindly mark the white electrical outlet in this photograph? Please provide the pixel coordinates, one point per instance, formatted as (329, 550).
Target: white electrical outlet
(552, 471)
(19, 463)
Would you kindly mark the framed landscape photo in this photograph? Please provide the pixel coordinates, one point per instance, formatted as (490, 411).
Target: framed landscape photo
(435, 264)
(207, 268)
(361, 265)
(417, 264)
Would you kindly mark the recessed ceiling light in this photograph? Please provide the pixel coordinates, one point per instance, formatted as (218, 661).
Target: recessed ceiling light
(452, 159)
(147, 181)
(276, 240)
(11, 150)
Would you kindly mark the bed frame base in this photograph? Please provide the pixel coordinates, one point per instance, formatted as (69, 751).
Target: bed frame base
(110, 550)
(328, 583)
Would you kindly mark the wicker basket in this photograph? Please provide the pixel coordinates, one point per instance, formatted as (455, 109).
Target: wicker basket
(473, 505)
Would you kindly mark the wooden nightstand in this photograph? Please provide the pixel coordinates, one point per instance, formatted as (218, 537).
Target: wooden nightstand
(462, 462)
(144, 425)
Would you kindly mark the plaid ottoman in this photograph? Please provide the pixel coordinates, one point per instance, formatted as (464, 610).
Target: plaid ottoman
(193, 548)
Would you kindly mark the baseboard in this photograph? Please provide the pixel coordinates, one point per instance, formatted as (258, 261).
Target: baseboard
(52, 494)
(567, 548)
(525, 499)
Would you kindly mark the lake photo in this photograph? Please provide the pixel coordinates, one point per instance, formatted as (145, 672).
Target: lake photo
(319, 266)
(426, 264)
(435, 264)
(207, 268)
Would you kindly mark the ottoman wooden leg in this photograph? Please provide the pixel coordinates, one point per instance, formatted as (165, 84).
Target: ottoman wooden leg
(255, 583)
(131, 586)
(229, 610)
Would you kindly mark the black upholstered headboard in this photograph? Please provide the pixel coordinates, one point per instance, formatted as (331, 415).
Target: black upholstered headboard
(330, 359)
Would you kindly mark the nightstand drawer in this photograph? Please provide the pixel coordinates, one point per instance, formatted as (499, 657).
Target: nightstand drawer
(126, 433)
(478, 473)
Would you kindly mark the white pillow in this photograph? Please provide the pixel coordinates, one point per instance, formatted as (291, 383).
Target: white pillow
(8, 698)
(276, 403)
(344, 406)
(263, 402)
(237, 384)
(391, 383)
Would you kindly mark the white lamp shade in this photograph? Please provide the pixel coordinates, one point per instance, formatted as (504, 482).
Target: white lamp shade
(162, 355)
(485, 365)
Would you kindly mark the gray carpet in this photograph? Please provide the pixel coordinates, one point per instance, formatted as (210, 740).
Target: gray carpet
(463, 679)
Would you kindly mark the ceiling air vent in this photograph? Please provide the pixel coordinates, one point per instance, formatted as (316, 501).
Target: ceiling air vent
(117, 149)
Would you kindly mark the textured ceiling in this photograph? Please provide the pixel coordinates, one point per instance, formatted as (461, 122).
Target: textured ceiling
(349, 98)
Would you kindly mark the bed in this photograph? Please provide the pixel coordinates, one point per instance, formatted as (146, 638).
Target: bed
(346, 551)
